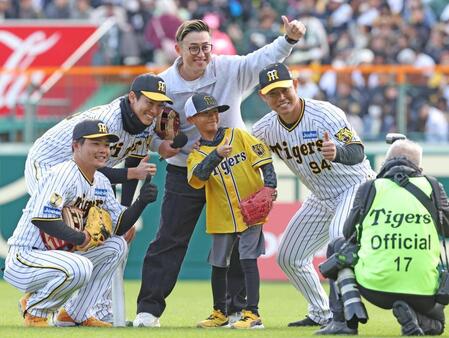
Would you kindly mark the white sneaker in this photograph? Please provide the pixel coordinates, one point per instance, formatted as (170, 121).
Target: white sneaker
(145, 319)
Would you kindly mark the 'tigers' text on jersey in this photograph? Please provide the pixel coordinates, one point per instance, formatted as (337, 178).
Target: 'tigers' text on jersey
(229, 162)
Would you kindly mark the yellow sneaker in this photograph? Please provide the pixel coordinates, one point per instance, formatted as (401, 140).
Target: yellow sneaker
(34, 321)
(63, 319)
(216, 319)
(94, 322)
(249, 320)
(29, 319)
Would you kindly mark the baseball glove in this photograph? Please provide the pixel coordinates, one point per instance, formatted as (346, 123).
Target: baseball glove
(256, 207)
(167, 124)
(98, 226)
(71, 216)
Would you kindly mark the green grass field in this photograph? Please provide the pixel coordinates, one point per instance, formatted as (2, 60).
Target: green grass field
(189, 303)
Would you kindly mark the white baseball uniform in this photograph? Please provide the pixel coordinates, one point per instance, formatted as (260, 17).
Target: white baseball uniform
(332, 185)
(53, 276)
(55, 146)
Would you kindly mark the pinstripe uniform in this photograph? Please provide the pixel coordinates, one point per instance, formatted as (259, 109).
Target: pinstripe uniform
(53, 276)
(332, 185)
(55, 146)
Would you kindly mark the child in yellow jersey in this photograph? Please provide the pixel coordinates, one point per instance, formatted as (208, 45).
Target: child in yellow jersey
(228, 164)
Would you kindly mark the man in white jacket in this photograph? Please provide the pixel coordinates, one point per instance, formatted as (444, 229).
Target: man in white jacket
(226, 78)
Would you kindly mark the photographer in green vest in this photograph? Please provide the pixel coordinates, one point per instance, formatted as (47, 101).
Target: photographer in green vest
(391, 251)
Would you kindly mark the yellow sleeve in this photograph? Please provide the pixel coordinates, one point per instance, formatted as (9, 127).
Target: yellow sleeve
(193, 160)
(258, 152)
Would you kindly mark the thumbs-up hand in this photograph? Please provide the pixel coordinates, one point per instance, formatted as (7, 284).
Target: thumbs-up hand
(148, 191)
(294, 29)
(142, 170)
(225, 149)
(329, 149)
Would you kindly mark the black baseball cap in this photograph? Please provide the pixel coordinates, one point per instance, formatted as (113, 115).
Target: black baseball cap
(202, 102)
(151, 86)
(92, 129)
(273, 76)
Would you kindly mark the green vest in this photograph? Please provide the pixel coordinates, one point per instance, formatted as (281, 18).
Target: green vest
(399, 245)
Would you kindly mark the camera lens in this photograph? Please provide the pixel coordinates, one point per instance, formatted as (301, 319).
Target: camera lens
(354, 309)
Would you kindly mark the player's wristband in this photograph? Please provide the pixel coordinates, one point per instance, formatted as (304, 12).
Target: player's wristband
(289, 40)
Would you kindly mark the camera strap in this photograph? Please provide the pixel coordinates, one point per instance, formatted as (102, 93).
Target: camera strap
(432, 209)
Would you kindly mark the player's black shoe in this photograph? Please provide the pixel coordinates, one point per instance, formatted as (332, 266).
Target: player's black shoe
(337, 328)
(304, 322)
(406, 316)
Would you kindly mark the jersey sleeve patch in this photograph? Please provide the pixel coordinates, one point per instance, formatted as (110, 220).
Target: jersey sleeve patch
(259, 149)
(344, 135)
(56, 200)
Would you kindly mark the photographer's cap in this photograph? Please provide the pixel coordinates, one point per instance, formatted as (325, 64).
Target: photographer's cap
(93, 129)
(202, 102)
(274, 76)
(152, 86)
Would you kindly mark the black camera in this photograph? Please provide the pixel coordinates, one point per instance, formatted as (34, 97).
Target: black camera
(330, 267)
(442, 295)
(346, 257)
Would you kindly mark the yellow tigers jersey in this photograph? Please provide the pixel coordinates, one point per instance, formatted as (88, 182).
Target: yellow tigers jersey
(235, 178)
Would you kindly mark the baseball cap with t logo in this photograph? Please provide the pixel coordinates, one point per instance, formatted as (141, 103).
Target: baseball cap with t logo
(151, 86)
(93, 129)
(274, 76)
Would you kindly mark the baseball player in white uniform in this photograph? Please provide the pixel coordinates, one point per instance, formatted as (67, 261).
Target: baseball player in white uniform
(50, 277)
(317, 143)
(131, 118)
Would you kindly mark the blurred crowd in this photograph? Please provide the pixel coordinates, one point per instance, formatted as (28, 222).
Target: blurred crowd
(339, 33)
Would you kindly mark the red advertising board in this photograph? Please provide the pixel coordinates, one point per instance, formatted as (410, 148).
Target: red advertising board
(25, 46)
(278, 220)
